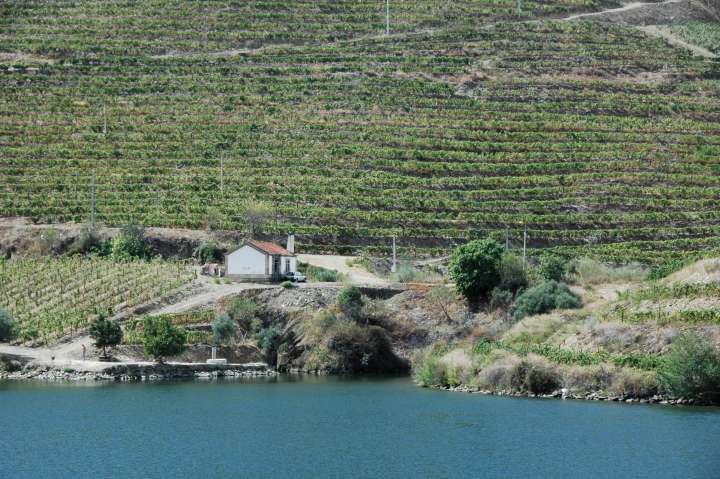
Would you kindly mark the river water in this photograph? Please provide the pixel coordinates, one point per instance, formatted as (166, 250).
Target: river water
(330, 427)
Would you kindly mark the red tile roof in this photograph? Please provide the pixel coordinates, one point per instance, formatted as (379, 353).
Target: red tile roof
(270, 248)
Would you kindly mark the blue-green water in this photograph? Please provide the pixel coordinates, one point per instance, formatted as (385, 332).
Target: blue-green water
(340, 428)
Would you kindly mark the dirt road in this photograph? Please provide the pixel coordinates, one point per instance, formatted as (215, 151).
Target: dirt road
(339, 263)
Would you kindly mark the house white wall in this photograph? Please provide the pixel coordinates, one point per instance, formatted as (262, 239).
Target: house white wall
(293, 264)
(247, 261)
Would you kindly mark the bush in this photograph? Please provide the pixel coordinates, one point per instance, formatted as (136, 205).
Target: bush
(500, 299)
(210, 252)
(638, 384)
(552, 267)
(361, 349)
(350, 302)
(474, 267)
(544, 298)
(244, 312)
(7, 325)
(692, 369)
(320, 274)
(224, 329)
(161, 338)
(534, 376)
(129, 244)
(590, 271)
(512, 272)
(287, 284)
(90, 242)
(105, 333)
(269, 340)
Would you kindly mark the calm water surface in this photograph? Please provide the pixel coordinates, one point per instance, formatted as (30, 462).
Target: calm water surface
(340, 428)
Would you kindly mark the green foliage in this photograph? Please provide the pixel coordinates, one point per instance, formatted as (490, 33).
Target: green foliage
(534, 377)
(7, 325)
(692, 369)
(129, 244)
(475, 267)
(244, 312)
(350, 302)
(161, 338)
(287, 284)
(500, 299)
(269, 340)
(105, 333)
(320, 274)
(544, 298)
(210, 252)
(356, 348)
(552, 267)
(513, 275)
(224, 329)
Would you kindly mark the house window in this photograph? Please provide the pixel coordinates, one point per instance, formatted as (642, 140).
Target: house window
(287, 265)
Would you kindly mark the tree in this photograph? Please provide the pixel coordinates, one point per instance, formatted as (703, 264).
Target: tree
(209, 252)
(7, 325)
(244, 312)
(106, 333)
(552, 267)
(475, 267)
(692, 369)
(129, 244)
(161, 338)
(256, 214)
(224, 329)
(350, 302)
(442, 298)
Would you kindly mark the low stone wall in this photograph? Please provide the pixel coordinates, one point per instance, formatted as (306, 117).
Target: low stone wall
(142, 372)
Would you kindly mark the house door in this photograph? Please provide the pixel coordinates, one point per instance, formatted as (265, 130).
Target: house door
(276, 266)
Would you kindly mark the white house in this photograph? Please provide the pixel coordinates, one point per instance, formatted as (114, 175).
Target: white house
(260, 261)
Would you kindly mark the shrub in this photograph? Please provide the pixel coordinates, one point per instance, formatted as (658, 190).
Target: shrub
(224, 329)
(320, 274)
(350, 302)
(585, 379)
(692, 369)
(269, 340)
(161, 338)
(210, 252)
(590, 271)
(512, 272)
(244, 312)
(474, 267)
(442, 299)
(287, 284)
(129, 244)
(89, 242)
(546, 297)
(534, 376)
(105, 333)
(361, 349)
(639, 384)
(500, 299)
(552, 267)
(7, 325)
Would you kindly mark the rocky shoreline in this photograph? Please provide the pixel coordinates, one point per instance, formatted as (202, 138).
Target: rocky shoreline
(140, 372)
(564, 394)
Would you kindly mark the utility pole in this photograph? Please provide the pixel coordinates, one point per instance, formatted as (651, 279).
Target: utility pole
(507, 241)
(104, 119)
(393, 268)
(387, 17)
(519, 8)
(92, 202)
(524, 245)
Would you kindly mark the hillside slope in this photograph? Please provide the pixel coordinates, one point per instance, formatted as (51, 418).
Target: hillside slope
(464, 121)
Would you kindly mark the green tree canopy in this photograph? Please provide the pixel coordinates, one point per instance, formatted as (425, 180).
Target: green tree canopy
(105, 333)
(475, 267)
(161, 338)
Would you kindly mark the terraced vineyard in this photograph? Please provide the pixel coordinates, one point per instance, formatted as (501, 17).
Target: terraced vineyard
(52, 297)
(464, 122)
